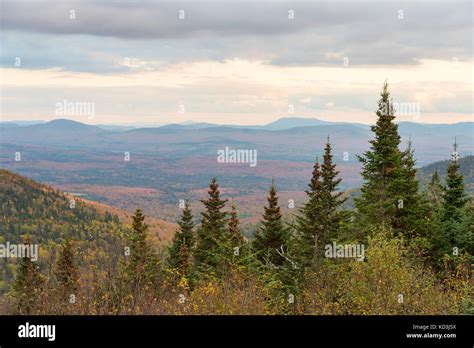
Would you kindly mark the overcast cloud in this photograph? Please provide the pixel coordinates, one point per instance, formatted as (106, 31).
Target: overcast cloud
(118, 37)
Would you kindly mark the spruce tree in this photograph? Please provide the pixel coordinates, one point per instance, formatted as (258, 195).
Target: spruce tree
(235, 235)
(272, 235)
(183, 241)
(411, 215)
(212, 232)
(184, 256)
(319, 218)
(309, 221)
(435, 191)
(454, 208)
(28, 284)
(453, 233)
(332, 196)
(381, 167)
(138, 243)
(454, 196)
(66, 270)
(143, 263)
(466, 238)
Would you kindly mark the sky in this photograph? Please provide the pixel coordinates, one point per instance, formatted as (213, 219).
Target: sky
(235, 62)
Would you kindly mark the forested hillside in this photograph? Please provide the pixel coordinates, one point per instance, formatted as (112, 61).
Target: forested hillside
(44, 216)
(466, 168)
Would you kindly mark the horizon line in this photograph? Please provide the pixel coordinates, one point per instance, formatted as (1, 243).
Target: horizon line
(190, 122)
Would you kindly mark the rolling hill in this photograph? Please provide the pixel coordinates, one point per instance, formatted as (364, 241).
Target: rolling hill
(466, 168)
(49, 216)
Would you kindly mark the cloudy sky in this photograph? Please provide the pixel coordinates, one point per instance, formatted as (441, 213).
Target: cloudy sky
(235, 62)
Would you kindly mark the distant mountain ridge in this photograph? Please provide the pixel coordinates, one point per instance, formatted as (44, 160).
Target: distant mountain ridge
(175, 160)
(280, 124)
(287, 138)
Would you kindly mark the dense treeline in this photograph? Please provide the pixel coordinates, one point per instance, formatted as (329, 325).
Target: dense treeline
(403, 250)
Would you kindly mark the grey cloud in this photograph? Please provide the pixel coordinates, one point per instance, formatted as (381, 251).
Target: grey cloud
(367, 32)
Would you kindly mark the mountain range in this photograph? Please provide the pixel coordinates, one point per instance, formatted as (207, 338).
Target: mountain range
(155, 167)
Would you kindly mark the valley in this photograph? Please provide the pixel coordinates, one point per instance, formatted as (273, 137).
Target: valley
(154, 168)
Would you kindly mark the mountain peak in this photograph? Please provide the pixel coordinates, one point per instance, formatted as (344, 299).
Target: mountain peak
(292, 122)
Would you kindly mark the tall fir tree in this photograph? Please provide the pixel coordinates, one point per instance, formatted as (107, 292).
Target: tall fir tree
(212, 232)
(309, 221)
(272, 234)
(381, 168)
(67, 273)
(319, 218)
(390, 194)
(28, 284)
(332, 196)
(181, 248)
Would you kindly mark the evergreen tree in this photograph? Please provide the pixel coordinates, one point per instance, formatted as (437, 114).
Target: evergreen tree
(66, 270)
(319, 218)
(332, 198)
(435, 191)
(28, 284)
(235, 235)
(272, 235)
(411, 214)
(183, 241)
(309, 221)
(184, 256)
(454, 196)
(453, 232)
(390, 191)
(381, 168)
(142, 265)
(466, 238)
(212, 232)
(454, 208)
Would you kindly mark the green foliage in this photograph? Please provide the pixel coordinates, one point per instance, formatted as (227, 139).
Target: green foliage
(272, 234)
(381, 167)
(142, 267)
(235, 236)
(181, 248)
(319, 218)
(453, 227)
(454, 197)
(212, 233)
(390, 190)
(388, 282)
(412, 213)
(435, 191)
